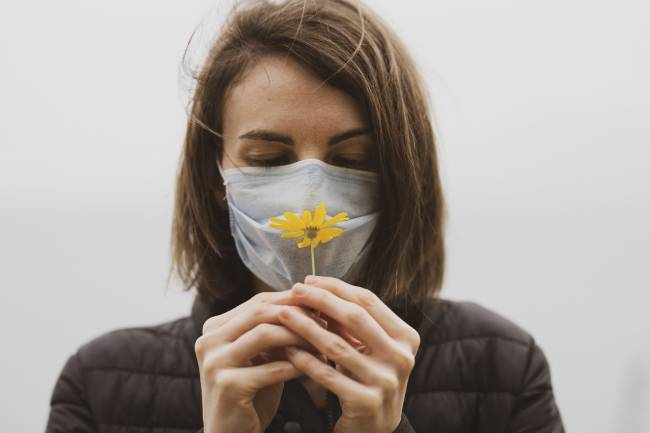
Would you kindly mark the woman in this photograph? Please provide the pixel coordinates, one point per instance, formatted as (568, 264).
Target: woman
(298, 104)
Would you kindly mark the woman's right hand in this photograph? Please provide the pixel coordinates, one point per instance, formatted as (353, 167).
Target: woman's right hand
(242, 364)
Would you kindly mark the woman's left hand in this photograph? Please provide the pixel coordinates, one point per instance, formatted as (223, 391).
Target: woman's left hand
(373, 348)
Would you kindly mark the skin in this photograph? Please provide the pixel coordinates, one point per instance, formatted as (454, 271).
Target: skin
(371, 350)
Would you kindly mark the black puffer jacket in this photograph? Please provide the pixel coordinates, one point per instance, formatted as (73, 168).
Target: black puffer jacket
(475, 371)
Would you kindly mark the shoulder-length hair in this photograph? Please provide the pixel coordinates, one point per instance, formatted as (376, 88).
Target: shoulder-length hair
(352, 49)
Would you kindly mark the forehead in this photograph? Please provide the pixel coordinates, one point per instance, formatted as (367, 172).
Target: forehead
(282, 93)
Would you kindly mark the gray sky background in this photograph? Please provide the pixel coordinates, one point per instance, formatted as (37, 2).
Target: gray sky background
(543, 111)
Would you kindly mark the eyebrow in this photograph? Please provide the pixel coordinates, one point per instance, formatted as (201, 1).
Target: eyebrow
(261, 134)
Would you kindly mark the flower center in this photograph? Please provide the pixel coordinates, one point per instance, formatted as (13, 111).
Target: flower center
(311, 232)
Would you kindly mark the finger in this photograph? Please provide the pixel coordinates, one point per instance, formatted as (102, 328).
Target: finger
(327, 376)
(336, 328)
(248, 319)
(397, 328)
(331, 345)
(245, 321)
(276, 354)
(251, 379)
(217, 321)
(350, 315)
(261, 338)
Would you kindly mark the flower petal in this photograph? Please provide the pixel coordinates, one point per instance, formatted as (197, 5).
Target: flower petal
(329, 233)
(293, 234)
(304, 243)
(343, 216)
(278, 220)
(294, 219)
(319, 215)
(316, 241)
(285, 226)
(306, 217)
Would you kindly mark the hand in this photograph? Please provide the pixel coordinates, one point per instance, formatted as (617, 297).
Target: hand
(242, 365)
(373, 348)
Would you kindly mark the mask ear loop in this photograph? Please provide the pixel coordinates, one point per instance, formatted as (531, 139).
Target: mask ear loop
(201, 124)
(231, 161)
(221, 172)
(223, 178)
(197, 121)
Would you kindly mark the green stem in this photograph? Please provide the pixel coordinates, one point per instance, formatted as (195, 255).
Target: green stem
(313, 270)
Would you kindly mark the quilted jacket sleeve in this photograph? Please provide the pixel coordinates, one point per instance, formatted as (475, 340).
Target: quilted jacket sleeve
(69, 411)
(535, 410)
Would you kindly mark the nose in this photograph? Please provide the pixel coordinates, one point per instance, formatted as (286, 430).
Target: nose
(307, 151)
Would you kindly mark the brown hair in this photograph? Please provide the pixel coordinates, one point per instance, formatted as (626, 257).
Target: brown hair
(352, 49)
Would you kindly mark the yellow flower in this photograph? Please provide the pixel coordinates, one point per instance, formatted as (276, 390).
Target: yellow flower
(313, 230)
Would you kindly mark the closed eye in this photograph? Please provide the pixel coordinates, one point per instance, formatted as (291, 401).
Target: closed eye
(360, 163)
(268, 162)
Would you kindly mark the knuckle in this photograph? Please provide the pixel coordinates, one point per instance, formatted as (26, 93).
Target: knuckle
(256, 310)
(264, 331)
(405, 362)
(327, 376)
(336, 348)
(415, 340)
(366, 297)
(388, 382)
(373, 402)
(199, 346)
(356, 317)
(262, 296)
(225, 380)
(209, 324)
(210, 368)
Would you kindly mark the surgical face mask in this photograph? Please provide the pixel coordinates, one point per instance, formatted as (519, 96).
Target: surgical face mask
(255, 194)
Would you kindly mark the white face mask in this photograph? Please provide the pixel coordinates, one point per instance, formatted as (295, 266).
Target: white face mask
(256, 194)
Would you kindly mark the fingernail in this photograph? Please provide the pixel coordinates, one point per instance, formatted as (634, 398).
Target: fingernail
(311, 279)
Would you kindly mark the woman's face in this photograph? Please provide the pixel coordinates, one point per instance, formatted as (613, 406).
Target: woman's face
(274, 117)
